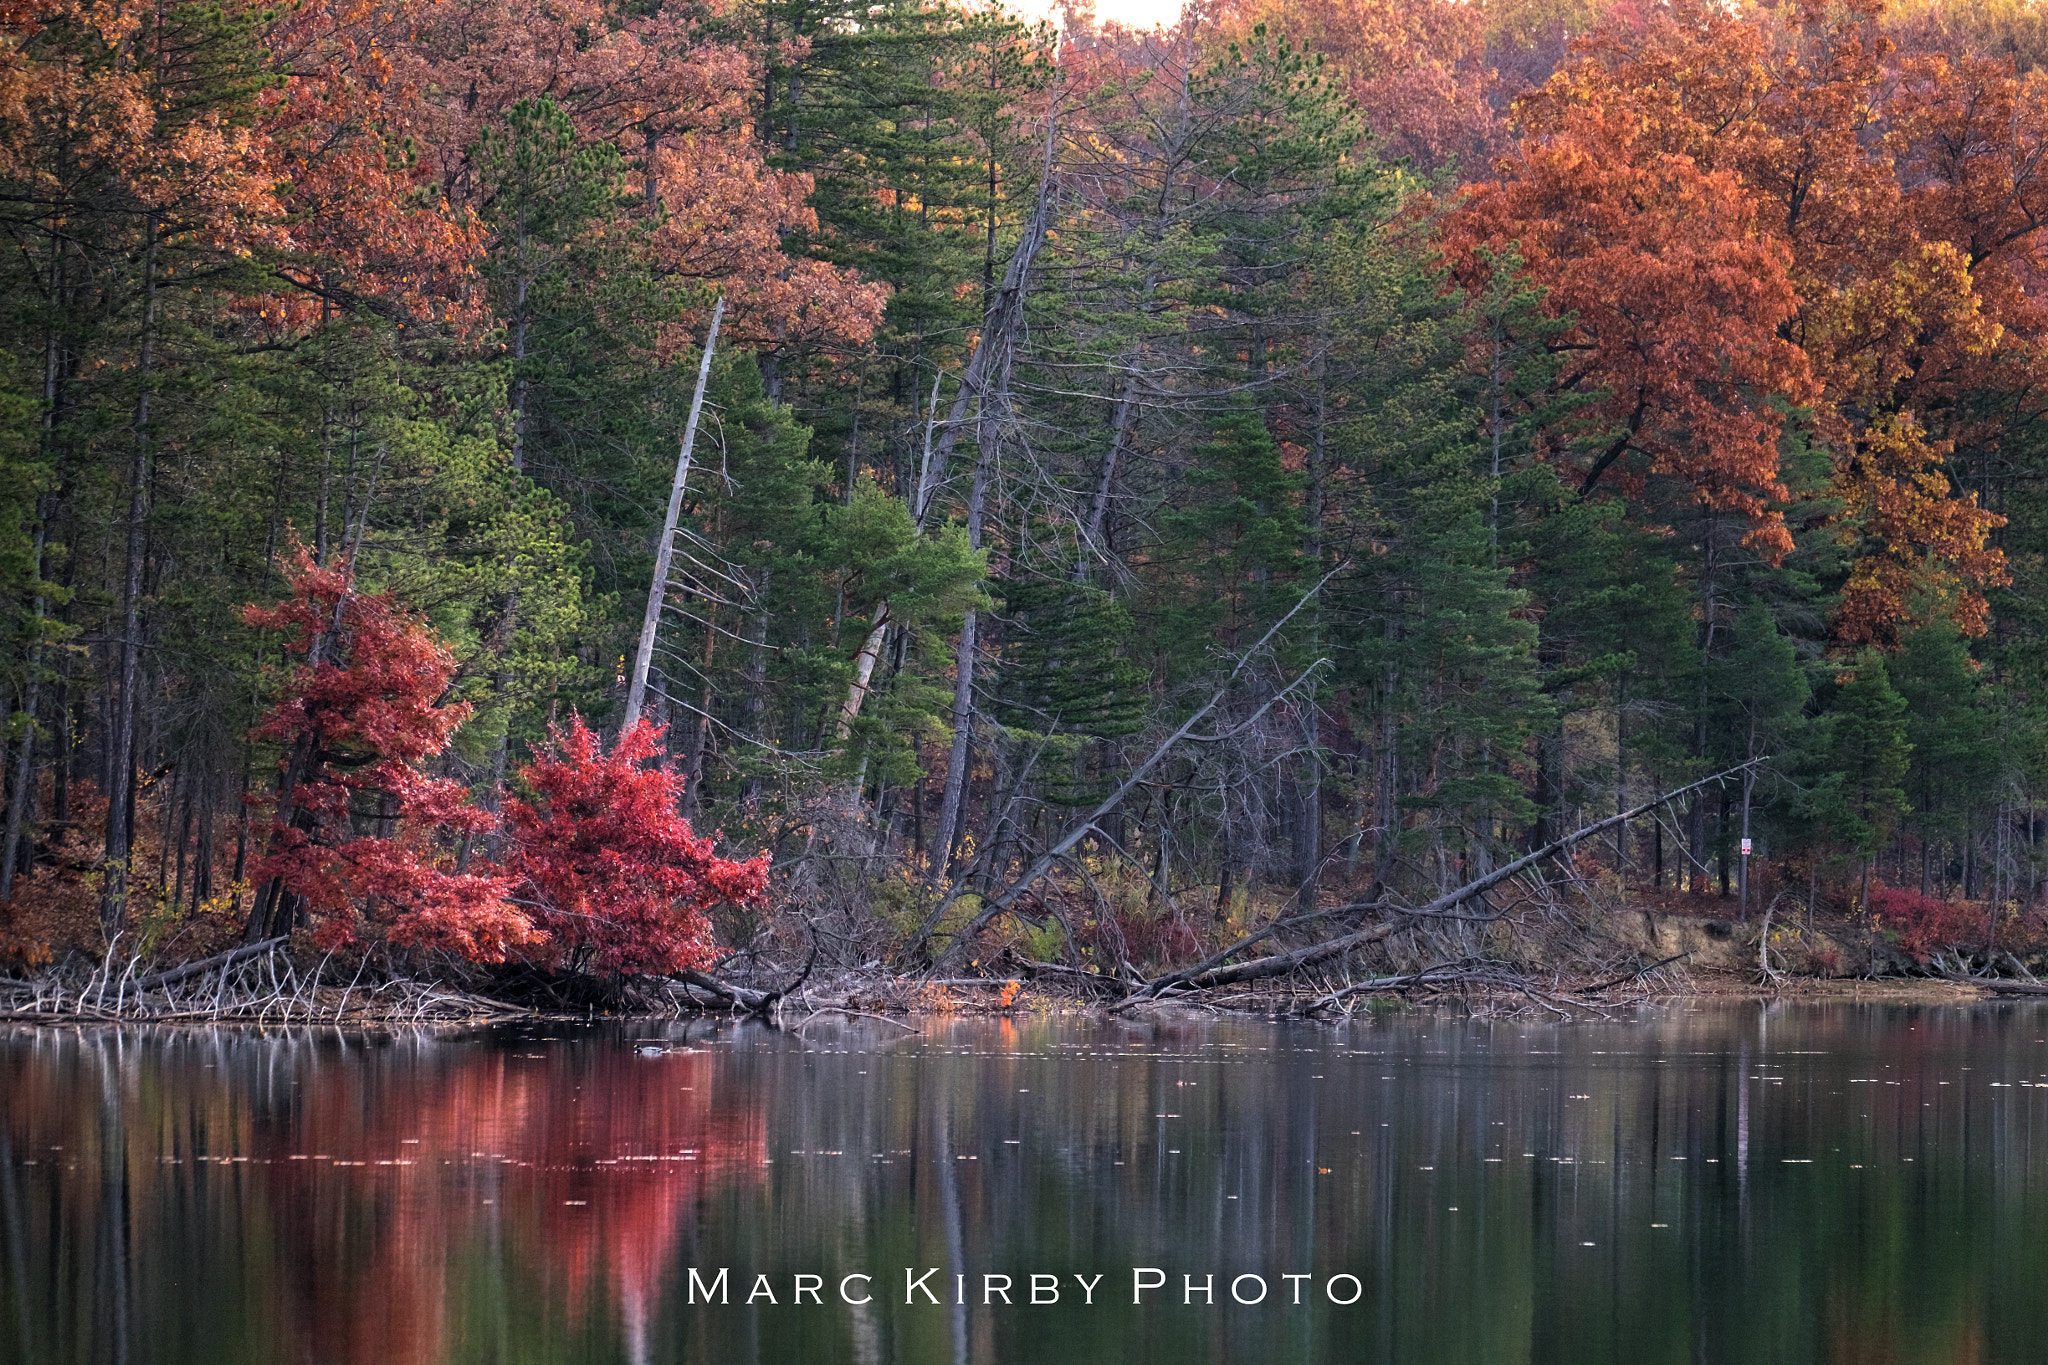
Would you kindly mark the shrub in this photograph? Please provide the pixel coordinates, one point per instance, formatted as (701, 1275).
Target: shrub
(1922, 925)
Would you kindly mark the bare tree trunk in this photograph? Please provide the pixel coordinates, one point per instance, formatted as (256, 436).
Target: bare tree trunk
(1308, 816)
(657, 591)
(202, 858)
(1721, 838)
(1748, 787)
(1091, 542)
(987, 377)
(22, 793)
(864, 669)
(953, 796)
(757, 675)
(1386, 786)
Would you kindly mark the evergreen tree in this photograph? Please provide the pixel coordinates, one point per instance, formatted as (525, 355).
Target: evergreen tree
(1859, 797)
(1948, 724)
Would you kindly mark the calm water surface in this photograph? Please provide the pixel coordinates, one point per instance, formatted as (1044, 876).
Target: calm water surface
(1789, 1183)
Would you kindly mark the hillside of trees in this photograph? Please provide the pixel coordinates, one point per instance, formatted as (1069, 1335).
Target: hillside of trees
(1250, 479)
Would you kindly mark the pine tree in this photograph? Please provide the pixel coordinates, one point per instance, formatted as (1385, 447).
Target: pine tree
(1860, 796)
(1954, 756)
(1230, 562)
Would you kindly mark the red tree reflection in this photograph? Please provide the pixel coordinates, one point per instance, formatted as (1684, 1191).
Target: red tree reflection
(384, 1212)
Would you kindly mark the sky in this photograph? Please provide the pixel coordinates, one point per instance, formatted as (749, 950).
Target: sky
(1131, 13)
(1138, 13)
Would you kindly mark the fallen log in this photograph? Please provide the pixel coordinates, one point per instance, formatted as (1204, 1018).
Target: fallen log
(1630, 976)
(2002, 987)
(752, 1001)
(758, 1003)
(1445, 973)
(207, 964)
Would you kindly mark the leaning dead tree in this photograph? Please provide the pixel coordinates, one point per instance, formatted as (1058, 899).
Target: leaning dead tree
(657, 592)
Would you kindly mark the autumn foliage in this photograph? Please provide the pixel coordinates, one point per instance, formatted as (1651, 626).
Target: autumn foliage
(360, 836)
(1921, 924)
(1568, 383)
(602, 870)
(619, 880)
(1677, 297)
(385, 105)
(1747, 213)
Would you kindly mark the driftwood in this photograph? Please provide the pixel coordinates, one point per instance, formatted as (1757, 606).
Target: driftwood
(1211, 973)
(1630, 976)
(752, 1001)
(1446, 972)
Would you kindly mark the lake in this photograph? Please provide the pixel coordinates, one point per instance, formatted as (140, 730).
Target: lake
(1789, 1182)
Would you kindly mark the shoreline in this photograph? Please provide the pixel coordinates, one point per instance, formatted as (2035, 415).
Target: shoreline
(905, 1001)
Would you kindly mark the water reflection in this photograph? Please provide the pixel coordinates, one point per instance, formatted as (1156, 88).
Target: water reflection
(1798, 1183)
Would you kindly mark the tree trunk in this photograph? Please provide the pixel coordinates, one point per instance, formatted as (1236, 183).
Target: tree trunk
(1308, 846)
(1721, 841)
(953, 796)
(121, 759)
(21, 795)
(1748, 784)
(657, 590)
(23, 790)
(864, 669)
(1091, 544)
(756, 722)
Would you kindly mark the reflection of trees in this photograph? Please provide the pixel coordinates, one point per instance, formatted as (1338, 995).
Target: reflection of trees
(408, 1211)
(551, 1200)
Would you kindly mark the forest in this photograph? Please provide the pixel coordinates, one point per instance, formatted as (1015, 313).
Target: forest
(1331, 495)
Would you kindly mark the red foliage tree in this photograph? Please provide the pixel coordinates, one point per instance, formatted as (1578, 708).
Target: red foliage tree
(359, 836)
(619, 876)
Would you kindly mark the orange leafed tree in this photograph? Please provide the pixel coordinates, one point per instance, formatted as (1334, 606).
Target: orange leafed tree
(1678, 301)
(1417, 69)
(1903, 241)
(122, 107)
(387, 104)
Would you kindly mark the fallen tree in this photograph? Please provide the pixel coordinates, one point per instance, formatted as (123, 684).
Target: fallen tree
(1217, 970)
